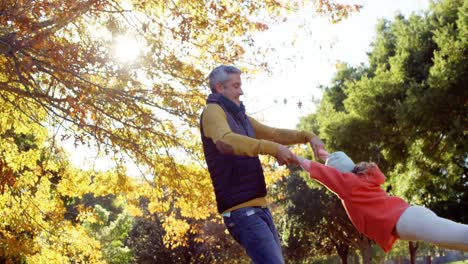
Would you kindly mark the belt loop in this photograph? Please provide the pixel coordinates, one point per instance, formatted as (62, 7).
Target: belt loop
(250, 212)
(226, 214)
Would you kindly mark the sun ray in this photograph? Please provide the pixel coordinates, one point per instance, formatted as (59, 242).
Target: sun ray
(126, 49)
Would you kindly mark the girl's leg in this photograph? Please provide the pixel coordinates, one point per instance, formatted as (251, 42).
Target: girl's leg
(420, 223)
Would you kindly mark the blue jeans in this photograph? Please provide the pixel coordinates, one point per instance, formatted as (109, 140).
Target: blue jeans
(253, 229)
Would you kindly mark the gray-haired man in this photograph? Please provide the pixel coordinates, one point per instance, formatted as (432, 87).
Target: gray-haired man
(232, 142)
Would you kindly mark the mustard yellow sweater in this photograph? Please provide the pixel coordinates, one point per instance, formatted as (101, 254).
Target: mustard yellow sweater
(216, 127)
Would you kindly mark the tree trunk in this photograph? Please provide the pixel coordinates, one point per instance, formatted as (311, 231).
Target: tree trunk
(344, 259)
(413, 246)
(429, 260)
(366, 255)
(365, 249)
(401, 260)
(343, 253)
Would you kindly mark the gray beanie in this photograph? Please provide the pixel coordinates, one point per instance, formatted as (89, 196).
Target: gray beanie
(340, 161)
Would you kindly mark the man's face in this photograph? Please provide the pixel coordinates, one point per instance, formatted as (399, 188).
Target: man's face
(232, 88)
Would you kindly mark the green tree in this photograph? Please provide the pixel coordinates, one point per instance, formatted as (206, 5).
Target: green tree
(110, 226)
(407, 110)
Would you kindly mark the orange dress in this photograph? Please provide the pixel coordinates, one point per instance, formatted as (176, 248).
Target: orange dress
(371, 210)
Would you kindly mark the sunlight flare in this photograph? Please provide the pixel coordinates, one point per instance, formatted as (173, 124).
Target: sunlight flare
(126, 49)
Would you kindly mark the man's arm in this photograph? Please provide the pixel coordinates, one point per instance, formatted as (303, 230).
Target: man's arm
(278, 135)
(287, 136)
(216, 127)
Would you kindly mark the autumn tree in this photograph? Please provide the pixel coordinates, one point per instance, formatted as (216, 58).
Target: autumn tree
(210, 245)
(33, 187)
(59, 79)
(58, 54)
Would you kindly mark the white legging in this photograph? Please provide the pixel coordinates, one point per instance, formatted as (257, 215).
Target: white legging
(420, 223)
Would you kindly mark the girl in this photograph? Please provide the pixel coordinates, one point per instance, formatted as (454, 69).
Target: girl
(377, 215)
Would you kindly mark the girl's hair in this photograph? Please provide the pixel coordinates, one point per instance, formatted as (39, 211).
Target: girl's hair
(362, 167)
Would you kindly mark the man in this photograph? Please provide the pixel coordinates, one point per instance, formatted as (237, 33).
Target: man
(232, 142)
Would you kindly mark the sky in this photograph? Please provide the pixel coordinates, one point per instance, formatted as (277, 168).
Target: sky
(299, 68)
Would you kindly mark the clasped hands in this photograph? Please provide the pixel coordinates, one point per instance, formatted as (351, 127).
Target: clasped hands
(285, 156)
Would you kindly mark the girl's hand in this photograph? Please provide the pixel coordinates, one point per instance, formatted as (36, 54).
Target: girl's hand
(323, 154)
(317, 144)
(305, 163)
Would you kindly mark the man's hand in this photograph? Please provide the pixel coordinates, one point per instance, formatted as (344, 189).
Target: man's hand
(316, 144)
(285, 156)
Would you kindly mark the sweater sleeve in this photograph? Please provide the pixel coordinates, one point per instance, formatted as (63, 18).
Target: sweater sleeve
(281, 136)
(216, 127)
(375, 175)
(336, 181)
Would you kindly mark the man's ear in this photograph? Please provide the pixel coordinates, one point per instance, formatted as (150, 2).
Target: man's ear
(219, 87)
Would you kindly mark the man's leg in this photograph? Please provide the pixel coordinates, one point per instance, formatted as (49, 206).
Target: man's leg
(253, 228)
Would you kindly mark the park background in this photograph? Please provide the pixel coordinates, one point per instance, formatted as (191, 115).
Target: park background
(100, 154)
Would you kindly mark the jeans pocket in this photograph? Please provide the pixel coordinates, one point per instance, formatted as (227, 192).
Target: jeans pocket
(257, 229)
(233, 228)
(228, 222)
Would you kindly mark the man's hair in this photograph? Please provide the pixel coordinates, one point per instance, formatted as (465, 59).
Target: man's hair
(220, 74)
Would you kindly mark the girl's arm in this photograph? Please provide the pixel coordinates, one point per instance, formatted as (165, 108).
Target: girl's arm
(334, 180)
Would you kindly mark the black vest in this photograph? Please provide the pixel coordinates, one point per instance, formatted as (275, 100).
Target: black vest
(236, 179)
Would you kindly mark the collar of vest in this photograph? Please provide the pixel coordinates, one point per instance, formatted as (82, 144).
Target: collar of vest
(228, 104)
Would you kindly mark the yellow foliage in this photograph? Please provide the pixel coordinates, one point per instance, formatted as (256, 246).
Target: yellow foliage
(74, 183)
(57, 69)
(272, 171)
(33, 227)
(133, 210)
(74, 246)
(176, 229)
